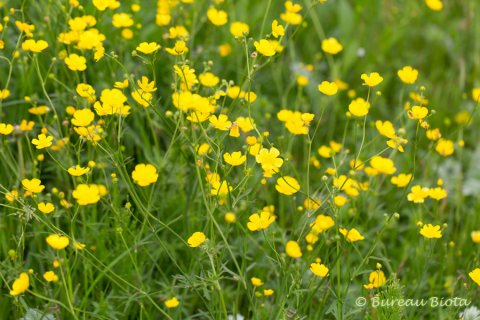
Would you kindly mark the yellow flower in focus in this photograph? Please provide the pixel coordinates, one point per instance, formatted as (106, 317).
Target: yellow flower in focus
(20, 285)
(172, 303)
(221, 122)
(77, 171)
(220, 188)
(144, 174)
(376, 279)
(331, 46)
(42, 141)
(417, 112)
(196, 239)
(217, 17)
(33, 185)
(293, 250)
(318, 269)
(86, 194)
(148, 47)
(269, 159)
(322, 223)
(46, 208)
(359, 107)
(57, 241)
(235, 158)
(351, 235)
(256, 282)
(287, 185)
(431, 232)
(328, 88)
(408, 75)
(418, 194)
(474, 275)
(83, 117)
(265, 47)
(373, 79)
(75, 62)
(260, 221)
(50, 276)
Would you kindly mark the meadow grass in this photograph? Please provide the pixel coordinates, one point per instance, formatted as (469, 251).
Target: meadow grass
(356, 179)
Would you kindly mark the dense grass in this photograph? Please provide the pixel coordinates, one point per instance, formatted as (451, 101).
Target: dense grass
(136, 254)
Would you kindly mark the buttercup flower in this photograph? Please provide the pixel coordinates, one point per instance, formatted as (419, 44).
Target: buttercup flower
(293, 249)
(331, 46)
(196, 239)
(33, 185)
(328, 88)
(46, 207)
(172, 303)
(50, 276)
(57, 242)
(408, 75)
(431, 232)
(235, 158)
(43, 141)
(373, 79)
(359, 107)
(376, 279)
(287, 185)
(148, 47)
(351, 235)
(474, 275)
(144, 174)
(318, 269)
(265, 47)
(76, 63)
(20, 285)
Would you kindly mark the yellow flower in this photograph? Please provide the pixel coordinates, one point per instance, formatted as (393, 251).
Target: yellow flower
(359, 107)
(437, 193)
(385, 128)
(351, 235)
(376, 280)
(217, 17)
(260, 221)
(277, 29)
(293, 249)
(221, 123)
(372, 80)
(256, 282)
(268, 292)
(87, 92)
(122, 20)
(474, 275)
(142, 97)
(475, 94)
(235, 158)
(34, 46)
(239, 29)
(431, 232)
(269, 160)
(475, 236)
(33, 185)
(78, 171)
(445, 147)
(220, 188)
(11, 196)
(322, 223)
(50, 276)
(4, 94)
(148, 47)
(208, 79)
(402, 180)
(408, 75)
(86, 194)
(196, 239)
(83, 117)
(417, 112)
(435, 5)
(383, 165)
(418, 194)
(20, 285)
(57, 241)
(179, 48)
(265, 47)
(331, 46)
(42, 141)
(230, 217)
(46, 207)
(75, 62)
(172, 303)
(78, 245)
(287, 185)
(328, 88)
(101, 5)
(144, 174)
(318, 269)
(6, 128)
